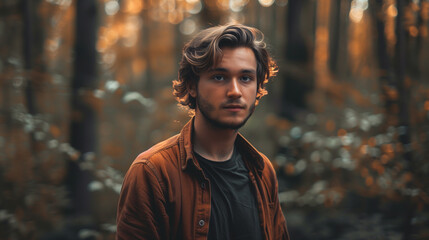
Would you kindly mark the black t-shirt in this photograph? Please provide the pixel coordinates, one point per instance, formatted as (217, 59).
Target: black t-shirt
(234, 211)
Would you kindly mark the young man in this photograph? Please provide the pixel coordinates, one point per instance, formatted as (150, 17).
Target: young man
(208, 182)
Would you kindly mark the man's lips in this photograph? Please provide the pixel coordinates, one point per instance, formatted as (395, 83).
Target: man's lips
(233, 107)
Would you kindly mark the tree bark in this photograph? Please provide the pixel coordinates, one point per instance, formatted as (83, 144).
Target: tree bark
(335, 35)
(404, 111)
(83, 122)
(298, 82)
(27, 47)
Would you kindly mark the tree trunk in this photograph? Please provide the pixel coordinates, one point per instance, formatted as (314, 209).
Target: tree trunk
(404, 111)
(298, 82)
(27, 46)
(335, 35)
(83, 122)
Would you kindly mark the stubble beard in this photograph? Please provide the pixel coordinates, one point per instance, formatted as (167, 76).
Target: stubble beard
(205, 108)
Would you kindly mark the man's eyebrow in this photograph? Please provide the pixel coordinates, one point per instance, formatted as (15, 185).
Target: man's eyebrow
(218, 70)
(226, 70)
(248, 71)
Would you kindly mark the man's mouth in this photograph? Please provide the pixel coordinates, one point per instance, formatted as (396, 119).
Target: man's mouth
(234, 107)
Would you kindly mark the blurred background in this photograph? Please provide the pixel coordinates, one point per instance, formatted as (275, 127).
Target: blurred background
(86, 86)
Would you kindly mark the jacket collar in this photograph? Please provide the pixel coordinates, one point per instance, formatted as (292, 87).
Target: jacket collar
(248, 152)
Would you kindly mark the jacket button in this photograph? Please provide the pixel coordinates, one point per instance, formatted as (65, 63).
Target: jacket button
(201, 223)
(203, 185)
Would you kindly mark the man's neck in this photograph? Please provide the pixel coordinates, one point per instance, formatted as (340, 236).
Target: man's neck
(211, 142)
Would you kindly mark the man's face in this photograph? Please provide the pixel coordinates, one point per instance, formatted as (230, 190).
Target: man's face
(226, 93)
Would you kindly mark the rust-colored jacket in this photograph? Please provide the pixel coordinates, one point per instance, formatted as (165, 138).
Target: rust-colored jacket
(165, 194)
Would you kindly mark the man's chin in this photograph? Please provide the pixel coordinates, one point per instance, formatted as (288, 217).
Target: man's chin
(233, 122)
(233, 125)
(228, 124)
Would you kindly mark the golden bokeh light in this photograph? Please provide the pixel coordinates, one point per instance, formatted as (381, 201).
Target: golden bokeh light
(266, 3)
(175, 17)
(133, 6)
(392, 11)
(356, 15)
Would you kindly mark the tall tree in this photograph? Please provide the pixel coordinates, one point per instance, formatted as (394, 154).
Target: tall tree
(335, 35)
(83, 122)
(396, 89)
(385, 76)
(27, 46)
(298, 82)
(403, 88)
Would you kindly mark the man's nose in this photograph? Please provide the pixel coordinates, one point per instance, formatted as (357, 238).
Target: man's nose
(234, 90)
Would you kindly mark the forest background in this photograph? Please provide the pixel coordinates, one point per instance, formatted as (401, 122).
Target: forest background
(86, 86)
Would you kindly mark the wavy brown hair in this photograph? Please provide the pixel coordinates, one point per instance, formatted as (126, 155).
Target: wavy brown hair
(204, 51)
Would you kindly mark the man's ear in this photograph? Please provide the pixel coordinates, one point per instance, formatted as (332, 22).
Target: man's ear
(192, 89)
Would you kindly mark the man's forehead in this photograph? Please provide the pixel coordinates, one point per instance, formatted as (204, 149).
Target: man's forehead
(229, 57)
(222, 69)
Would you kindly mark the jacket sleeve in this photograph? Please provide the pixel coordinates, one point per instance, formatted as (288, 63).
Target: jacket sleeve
(141, 212)
(279, 221)
(281, 231)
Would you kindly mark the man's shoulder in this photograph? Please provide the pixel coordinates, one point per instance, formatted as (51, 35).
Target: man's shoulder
(162, 152)
(268, 166)
(268, 170)
(261, 160)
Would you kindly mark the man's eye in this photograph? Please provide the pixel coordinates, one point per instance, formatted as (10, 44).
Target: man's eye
(246, 78)
(218, 78)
